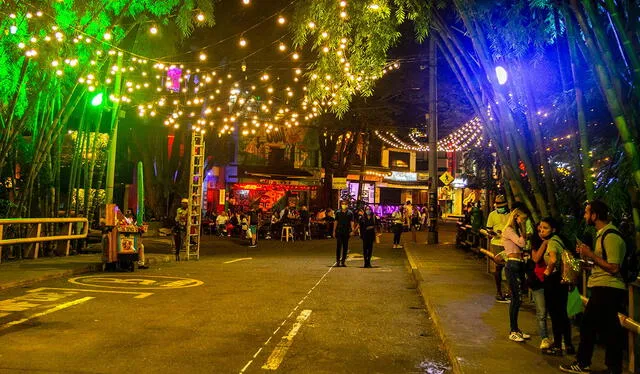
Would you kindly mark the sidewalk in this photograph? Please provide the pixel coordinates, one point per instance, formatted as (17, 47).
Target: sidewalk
(459, 295)
(23, 273)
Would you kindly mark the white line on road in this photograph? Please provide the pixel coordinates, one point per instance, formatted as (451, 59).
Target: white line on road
(286, 319)
(48, 311)
(238, 259)
(277, 356)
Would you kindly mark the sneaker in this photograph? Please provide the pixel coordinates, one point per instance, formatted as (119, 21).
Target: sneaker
(575, 367)
(516, 337)
(253, 246)
(524, 335)
(553, 351)
(545, 344)
(502, 299)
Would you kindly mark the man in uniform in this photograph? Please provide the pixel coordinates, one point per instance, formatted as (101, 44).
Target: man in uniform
(343, 226)
(495, 223)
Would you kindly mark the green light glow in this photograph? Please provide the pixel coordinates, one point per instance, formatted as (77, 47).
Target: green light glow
(97, 100)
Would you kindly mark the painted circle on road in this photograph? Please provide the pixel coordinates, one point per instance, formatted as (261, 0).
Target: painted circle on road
(136, 282)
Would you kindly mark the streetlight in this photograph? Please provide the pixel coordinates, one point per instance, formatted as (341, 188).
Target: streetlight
(502, 75)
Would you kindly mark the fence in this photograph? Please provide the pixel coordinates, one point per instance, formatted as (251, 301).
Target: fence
(33, 232)
(478, 242)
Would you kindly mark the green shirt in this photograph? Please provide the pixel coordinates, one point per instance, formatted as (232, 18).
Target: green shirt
(496, 221)
(554, 245)
(616, 249)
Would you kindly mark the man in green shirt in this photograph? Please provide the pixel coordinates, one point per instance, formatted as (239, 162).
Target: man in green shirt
(607, 294)
(495, 223)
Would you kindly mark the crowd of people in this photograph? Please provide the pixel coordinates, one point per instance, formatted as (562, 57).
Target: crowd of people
(533, 258)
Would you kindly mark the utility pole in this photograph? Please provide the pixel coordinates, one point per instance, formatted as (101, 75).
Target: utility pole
(432, 122)
(113, 141)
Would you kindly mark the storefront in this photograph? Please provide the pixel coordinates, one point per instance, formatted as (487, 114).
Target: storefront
(268, 195)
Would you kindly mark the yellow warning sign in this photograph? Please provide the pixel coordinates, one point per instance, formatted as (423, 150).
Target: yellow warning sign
(446, 178)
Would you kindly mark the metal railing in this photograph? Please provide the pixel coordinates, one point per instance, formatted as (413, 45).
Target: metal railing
(34, 233)
(478, 242)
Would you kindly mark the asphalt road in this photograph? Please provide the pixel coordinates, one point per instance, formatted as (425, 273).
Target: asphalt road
(279, 307)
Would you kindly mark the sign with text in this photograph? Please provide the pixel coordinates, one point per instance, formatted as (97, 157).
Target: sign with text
(403, 176)
(339, 183)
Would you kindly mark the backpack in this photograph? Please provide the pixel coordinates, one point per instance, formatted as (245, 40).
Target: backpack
(630, 267)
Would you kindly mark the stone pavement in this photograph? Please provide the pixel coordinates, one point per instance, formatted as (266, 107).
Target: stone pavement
(459, 295)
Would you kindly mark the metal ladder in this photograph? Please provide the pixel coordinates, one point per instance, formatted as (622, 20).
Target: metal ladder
(196, 180)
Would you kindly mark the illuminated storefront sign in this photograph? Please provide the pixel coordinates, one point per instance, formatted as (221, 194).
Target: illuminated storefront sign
(402, 176)
(272, 187)
(459, 183)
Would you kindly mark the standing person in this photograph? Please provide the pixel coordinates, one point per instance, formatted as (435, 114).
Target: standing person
(368, 225)
(536, 285)
(514, 241)
(608, 291)
(305, 222)
(397, 228)
(496, 222)
(254, 219)
(343, 226)
(555, 292)
(180, 230)
(221, 223)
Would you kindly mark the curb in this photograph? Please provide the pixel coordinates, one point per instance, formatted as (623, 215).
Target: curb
(433, 313)
(27, 282)
(90, 268)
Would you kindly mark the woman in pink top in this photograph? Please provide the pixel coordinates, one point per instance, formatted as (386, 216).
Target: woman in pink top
(513, 240)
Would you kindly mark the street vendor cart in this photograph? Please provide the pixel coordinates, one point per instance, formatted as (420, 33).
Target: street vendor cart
(121, 240)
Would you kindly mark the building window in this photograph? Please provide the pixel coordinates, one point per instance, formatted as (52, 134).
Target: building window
(399, 160)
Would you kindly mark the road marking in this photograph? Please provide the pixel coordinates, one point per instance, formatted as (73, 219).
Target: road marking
(286, 319)
(238, 259)
(136, 282)
(277, 356)
(139, 295)
(48, 311)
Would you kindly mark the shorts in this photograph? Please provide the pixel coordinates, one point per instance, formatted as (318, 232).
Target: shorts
(254, 229)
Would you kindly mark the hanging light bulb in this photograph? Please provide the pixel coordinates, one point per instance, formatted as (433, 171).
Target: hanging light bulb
(203, 56)
(281, 20)
(153, 30)
(200, 17)
(242, 42)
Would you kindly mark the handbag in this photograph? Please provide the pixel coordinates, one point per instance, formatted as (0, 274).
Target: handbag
(570, 268)
(574, 303)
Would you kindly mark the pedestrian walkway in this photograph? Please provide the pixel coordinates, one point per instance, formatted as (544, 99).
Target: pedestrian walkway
(459, 295)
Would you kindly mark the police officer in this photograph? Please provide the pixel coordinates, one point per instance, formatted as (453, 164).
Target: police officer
(343, 226)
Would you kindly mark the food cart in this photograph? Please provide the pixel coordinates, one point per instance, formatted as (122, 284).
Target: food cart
(121, 240)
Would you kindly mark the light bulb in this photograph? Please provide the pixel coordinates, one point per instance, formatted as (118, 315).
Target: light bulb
(246, 2)
(242, 42)
(281, 20)
(200, 17)
(282, 47)
(153, 30)
(203, 57)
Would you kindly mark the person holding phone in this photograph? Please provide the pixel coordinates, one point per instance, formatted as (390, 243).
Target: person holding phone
(514, 241)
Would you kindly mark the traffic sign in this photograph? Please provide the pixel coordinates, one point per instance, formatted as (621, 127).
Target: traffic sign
(446, 178)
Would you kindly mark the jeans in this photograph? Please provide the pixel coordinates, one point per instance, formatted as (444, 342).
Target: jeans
(515, 276)
(397, 231)
(367, 247)
(601, 316)
(541, 312)
(556, 295)
(342, 247)
(497, 276)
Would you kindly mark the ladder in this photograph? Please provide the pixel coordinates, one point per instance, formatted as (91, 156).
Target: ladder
(196, 180)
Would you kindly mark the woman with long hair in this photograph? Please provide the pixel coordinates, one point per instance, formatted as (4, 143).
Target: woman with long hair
(514, 240)
(555, 292)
